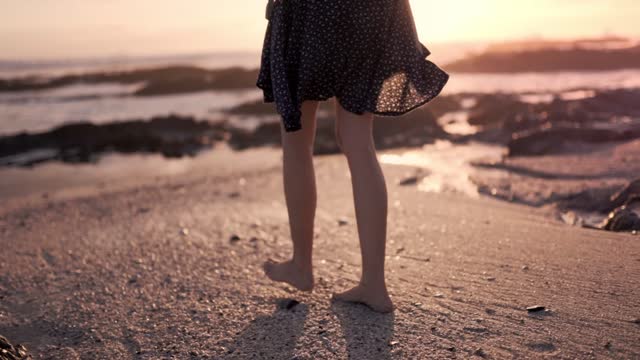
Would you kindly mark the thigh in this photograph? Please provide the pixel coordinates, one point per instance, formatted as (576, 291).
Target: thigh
(306, 135)
(352, 128)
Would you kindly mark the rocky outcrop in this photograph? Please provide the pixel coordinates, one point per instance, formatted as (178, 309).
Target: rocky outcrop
(414, 129)
(177, 136)
(172, 136)
(559, 139)
(622, 219)
(9, 351)
(539, 129)
(156, 81)
(504, 111)
(630, 194)
(549, 60)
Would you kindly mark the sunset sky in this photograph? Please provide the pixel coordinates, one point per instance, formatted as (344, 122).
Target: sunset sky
(84, 28)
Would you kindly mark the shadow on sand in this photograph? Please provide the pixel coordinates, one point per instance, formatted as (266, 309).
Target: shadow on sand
(270, 336)
(368, 334)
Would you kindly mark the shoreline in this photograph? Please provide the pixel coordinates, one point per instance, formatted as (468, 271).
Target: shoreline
(527, 141)
(579, 196)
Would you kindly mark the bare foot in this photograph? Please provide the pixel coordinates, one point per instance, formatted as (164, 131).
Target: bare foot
(288, 272)
(377, 299)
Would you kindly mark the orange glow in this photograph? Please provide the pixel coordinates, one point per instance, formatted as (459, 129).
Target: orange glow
(68, 28)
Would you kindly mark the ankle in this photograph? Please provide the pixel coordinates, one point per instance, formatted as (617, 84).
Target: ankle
(302, 265)
(377, 283)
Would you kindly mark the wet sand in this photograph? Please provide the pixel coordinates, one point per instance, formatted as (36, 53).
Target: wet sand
(170, 267)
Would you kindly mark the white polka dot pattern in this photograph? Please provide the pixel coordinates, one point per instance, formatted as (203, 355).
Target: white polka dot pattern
(366, 53)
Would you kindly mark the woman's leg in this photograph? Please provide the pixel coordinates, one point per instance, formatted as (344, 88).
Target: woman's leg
(355, 133)
(300, 194)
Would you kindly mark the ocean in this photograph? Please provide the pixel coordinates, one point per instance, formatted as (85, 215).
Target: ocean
(32, 111)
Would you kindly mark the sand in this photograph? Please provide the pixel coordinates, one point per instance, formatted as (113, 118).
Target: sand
(170, 268)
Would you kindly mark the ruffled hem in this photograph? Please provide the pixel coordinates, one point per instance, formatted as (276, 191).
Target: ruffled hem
(292, 123)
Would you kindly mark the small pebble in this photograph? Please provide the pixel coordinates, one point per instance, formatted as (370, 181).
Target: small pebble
(480, 352)
(184, 231)
(536, 308)
(343, 222)
(288, 304)
(411, 180)
(234, 238)
(438, 295)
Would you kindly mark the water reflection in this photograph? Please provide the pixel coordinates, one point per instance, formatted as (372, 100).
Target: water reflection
(449, 164)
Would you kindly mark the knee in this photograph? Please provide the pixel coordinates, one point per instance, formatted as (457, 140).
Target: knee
(355, 145)
(296, 144)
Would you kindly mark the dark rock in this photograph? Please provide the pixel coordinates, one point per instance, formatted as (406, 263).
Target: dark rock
(158, 81)
(478, 330)
(343, 222)
(549, 59)
(622, 219)
(266, 134)
(172, 136)
(9, 351)
(259, 108)
(4, 343)
(536, 309)
(234, 238)
(560, 139)
(444, 104)
(416, 128)
(504, 111)
(480, 352)
(287, 304)
(626, 196)
(542, 347)
(589, 200)
(618, 102)
(414, 179)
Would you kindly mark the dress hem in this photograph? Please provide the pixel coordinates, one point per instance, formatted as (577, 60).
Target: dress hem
(267, 99)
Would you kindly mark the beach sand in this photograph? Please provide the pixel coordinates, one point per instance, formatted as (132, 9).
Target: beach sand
(170, 267)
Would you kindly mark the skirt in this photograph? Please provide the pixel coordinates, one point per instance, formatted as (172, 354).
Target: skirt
(366, 54)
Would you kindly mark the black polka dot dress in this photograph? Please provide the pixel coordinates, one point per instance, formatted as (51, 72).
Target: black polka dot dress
(365, 53)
